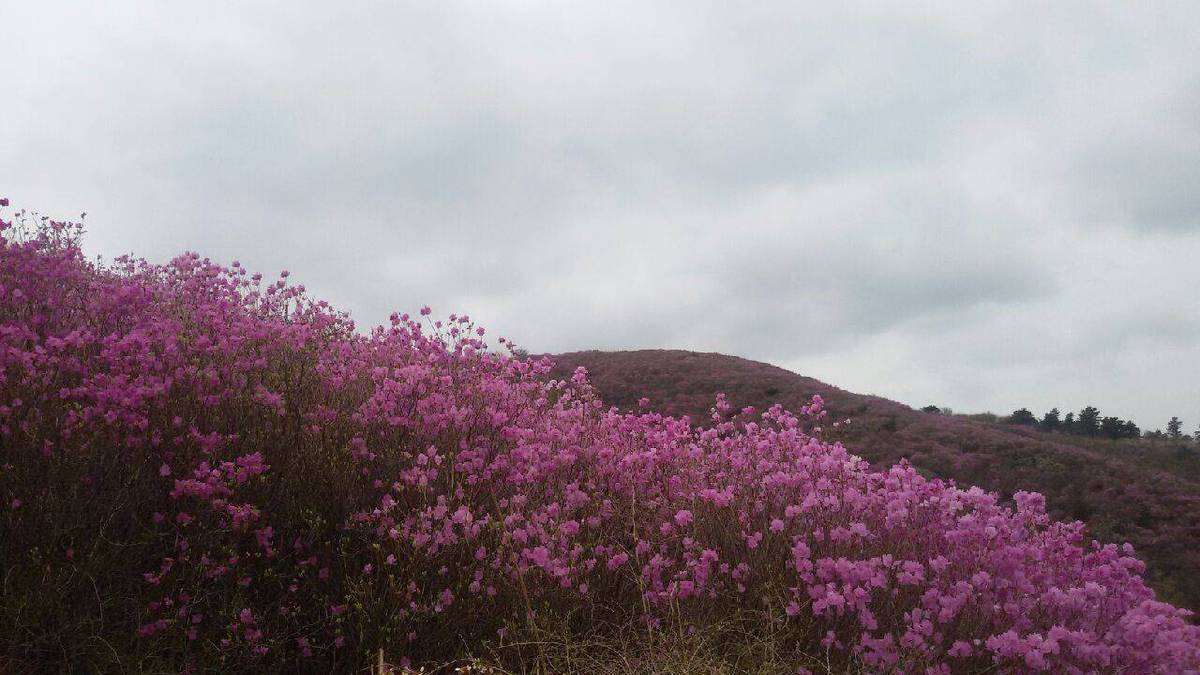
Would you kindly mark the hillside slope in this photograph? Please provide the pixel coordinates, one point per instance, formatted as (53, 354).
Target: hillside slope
(1136, 492)
(202, 472)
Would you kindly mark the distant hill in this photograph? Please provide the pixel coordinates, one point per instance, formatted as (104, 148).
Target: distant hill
(1143, 492)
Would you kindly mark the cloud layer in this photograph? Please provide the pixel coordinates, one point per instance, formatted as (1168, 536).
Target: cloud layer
(983, 209)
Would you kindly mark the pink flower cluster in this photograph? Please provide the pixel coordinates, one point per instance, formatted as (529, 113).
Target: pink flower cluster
(331, 493)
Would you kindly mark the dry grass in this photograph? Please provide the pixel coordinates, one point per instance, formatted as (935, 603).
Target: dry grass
(735, 645)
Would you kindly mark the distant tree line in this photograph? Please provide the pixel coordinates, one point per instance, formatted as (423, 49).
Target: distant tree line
(1088, 422)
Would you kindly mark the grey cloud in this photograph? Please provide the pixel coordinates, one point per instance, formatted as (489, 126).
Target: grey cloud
(858, 261)
(842, 190)
(1153, 188)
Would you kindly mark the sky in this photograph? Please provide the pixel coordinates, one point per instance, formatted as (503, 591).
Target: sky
(981, 205)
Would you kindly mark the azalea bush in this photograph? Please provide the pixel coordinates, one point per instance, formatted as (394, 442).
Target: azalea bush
(203, 470)
(1141, 492)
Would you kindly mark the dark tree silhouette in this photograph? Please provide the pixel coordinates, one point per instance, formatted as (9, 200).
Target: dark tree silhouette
(1111, 427)
(1023, 417)
(1131, 430)
(1175, 429)
(1051, 421)
(1089, 421)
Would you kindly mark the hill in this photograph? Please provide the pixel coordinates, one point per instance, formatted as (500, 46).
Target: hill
(205, 471)
(1143, 492)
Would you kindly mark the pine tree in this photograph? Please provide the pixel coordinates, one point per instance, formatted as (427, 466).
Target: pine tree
(1131, 430)
(1112, 427)
(1051, 421)
(1175, 429)
(1089, 421)
(1022, 416)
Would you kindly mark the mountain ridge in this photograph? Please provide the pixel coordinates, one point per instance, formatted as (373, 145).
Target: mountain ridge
(1132, 490)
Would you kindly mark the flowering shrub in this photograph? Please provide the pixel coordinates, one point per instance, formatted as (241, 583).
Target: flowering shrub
(1141, 492)
(202, 470)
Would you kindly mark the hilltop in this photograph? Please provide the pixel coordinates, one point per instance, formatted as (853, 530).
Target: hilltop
(1139, 491)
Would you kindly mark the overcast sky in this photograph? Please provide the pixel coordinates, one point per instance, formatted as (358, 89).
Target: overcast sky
(982, 209)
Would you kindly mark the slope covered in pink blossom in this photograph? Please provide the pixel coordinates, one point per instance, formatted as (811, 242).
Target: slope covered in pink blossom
(1143, 491)
(203, 470)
